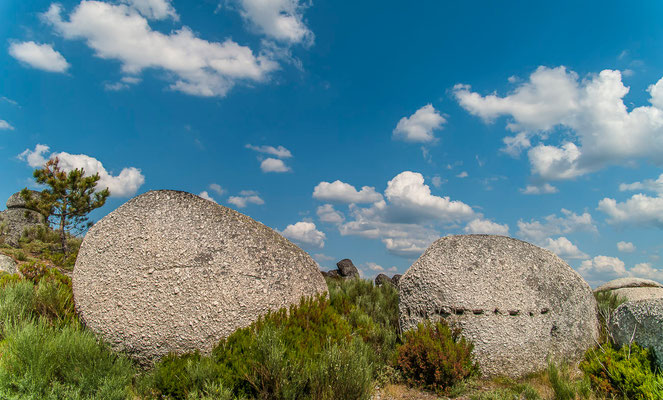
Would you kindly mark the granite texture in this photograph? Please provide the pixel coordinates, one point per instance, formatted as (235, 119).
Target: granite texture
(633, 289)
(17, 201)
(15, 221)
(640, 321)
(518, 303)
(7, 264)
(171, 272)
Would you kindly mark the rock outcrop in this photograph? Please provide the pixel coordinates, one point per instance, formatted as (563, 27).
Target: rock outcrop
(344, 269)
(171, 272)
(382, 279)
(633, 289)
(7, 264)
(642, 322)
(17, 218)
(516, 302)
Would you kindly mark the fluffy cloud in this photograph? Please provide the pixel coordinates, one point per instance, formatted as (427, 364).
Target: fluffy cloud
(463, 174)
(602, 268)
(125, 184)
(40, 56)
(552, 225)
(484, 226)
(405, 220)
(592, 109)
(245, 198)
(411, 201)
(546, 188)
(649, 185)
(217, 189)
(327, 213)
(305, 233)
(273, 165)
(626, 247)
(564, 248)
(199, 67)
(639, 210)
(419, 127)
(645, 270)
(5, 125)
(154, 9)
(206, 196)
(342, 192)
(279, 152)
(279, 19)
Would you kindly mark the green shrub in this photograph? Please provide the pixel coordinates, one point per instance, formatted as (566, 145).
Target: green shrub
(606, 302)
(563, 386)
(627, 372)
(304, 352)
(41, 362)
(372, 312)
(17, 302)
(436, 357)
(33, 271)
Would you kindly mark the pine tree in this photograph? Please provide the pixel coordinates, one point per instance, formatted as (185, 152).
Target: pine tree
(67, 200)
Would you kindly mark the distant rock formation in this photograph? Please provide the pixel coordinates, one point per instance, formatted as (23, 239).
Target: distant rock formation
(171, 272)
(382, 279)
(344, 269)
(640, 321)
(516, 302)
(633, 289)
(17, 218)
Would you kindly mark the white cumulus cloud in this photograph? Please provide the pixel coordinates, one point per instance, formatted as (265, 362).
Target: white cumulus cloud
(649, 185)
(538, 231)
(639, 210)
(273, 165)
(488, 227)
(419, 127)
(602, 268)
(564, 248)
(198, 67)
(546, 188)
(279, 152)
(626, 247)
(125, 184)
(5, 125)
(205, 195)
(40, 56)
(342, 192)
(604, 131)
(154, 9)
(327, 213)
(217, 189)
(245, 198)
(305, 233)
(281, 20)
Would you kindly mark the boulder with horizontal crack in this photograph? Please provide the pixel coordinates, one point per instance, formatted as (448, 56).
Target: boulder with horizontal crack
(518, 303)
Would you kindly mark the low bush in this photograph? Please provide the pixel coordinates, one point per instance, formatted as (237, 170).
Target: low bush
(42, 362)
(564, 387)
(304, 352)
(607, 302)
(627, 372)
(436, 357)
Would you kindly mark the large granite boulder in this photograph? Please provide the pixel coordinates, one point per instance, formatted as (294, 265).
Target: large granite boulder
(16, 219)
(171, 272)
(640, 321)
(633, 289)
(518, 303)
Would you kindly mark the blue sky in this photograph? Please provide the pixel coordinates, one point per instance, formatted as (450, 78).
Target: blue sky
(357, 129)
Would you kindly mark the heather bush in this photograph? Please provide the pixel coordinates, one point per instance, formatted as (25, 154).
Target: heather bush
(627, 372)
(436, 357)
(42, 362)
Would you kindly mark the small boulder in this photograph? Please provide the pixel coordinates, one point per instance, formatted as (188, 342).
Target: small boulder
(7, 264)
(642, 322)
(395, 279)
(382, 279)
(518, 303)
(347, 269)
(172, 272)
(17, 201)
(633, 289)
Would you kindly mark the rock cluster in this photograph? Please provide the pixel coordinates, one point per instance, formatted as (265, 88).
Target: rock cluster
(640, 321)
(344, 269)
(16, 218)
(382, 279)
(518, 303)
(633, 289)
(171, 272)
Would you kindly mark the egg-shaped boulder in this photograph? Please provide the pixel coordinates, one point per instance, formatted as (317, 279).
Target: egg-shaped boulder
(518, 303)
(170, 271)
